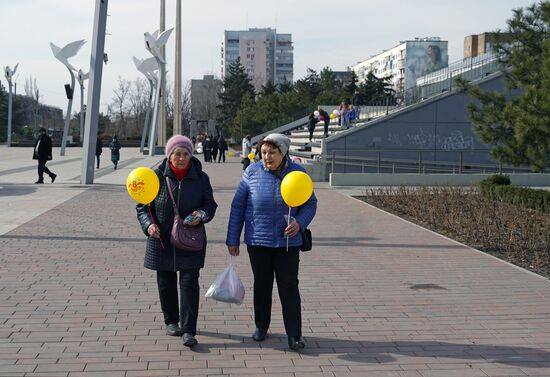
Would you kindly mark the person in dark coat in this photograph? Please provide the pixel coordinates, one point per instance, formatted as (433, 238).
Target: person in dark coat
(214, 143)
(273, 245)
(222, 147)
(114, 146)
(98, 150)
(326, 120)
(207, 149)
(43, 153)
(193, 194)
(311, 125)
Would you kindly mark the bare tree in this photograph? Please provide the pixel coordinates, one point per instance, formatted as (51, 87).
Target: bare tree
(119, 108)
(138, 99)
(32, 91)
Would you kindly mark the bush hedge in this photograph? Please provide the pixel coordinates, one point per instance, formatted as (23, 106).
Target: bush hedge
(497, 187)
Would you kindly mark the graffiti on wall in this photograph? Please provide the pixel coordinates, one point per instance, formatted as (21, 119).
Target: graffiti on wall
(427, 140)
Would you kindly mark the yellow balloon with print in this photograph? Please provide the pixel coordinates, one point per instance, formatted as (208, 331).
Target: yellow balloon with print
(296, 188)
(143, 185)
(251, 156)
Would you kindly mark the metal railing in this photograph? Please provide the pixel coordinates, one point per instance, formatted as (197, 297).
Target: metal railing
(420, 165)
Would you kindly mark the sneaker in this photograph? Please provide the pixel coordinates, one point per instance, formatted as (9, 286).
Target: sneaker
(189, 340)
(40, 181)
(53, 177)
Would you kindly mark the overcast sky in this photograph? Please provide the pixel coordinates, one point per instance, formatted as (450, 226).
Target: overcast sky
(329, 33)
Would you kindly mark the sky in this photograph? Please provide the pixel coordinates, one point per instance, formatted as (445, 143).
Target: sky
(325, 33)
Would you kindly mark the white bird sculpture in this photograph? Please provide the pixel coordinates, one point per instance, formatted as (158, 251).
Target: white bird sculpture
(70, 50)
(10, 72)
(147, 67)
(153, 42)
(81, 76)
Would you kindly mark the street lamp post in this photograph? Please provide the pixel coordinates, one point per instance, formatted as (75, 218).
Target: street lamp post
(63, 55)
(9, 75)
(81, 78)
(153, 43)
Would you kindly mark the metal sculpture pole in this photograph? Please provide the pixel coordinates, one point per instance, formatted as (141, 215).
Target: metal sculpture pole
(94, 92)
(9, 75)
(81, 78)
(177, 72)
(148, 68)
(153, 43)
(63, 54)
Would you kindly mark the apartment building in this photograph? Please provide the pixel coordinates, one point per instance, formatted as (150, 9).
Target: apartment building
(266, 55)
(406, 62)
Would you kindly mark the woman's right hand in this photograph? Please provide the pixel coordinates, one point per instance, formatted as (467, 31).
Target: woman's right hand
(154, 231)
(233, 250)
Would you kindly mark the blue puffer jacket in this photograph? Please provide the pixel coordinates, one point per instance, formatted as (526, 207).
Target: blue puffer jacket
(259, 205)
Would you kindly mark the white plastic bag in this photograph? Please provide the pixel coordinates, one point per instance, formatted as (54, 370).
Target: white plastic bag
(227, 287)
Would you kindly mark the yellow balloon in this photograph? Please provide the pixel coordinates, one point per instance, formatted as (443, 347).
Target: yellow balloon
(143, 185)
(251, 156)
(296, 188)
(332, 116)
(230, 154)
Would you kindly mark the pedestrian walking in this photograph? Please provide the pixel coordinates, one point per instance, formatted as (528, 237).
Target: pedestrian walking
(259, 206)
(214, 143)
(326, 120)
(207, 148)
(43, 153)
(180, 173)
(222, 147)
(114, 146)
(98, 149)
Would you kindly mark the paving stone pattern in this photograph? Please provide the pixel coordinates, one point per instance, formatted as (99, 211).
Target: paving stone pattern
(381, 297)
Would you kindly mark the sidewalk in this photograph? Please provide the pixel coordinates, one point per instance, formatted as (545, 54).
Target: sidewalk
(380, 296)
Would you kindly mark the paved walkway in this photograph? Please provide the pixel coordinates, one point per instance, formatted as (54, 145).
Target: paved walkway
(381, 297)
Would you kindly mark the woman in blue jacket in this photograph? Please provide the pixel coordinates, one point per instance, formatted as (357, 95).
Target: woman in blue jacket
(258, 205)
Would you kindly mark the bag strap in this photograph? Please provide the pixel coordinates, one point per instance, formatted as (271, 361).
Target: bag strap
(176, 212)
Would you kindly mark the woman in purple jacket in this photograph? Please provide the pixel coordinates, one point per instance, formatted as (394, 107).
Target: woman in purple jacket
(258, 205)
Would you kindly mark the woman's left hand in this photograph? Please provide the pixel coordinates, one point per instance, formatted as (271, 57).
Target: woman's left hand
(292, 229)
(198, 219)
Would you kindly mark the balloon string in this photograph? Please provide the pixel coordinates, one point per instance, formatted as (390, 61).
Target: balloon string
(288, 224)
(153, 219)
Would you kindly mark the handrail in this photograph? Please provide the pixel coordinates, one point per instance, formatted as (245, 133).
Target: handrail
(420, 165)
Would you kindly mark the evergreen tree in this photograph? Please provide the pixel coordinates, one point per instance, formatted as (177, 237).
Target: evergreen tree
(517, 124)
(351, 84)
(235, 86)
(268, 89)
(309, 86)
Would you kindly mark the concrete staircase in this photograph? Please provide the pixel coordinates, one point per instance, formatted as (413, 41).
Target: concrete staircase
(306, 150)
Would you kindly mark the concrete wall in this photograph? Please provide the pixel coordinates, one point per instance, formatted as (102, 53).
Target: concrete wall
(438, 128)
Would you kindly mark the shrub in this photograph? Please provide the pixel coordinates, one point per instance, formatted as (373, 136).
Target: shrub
(497, 188)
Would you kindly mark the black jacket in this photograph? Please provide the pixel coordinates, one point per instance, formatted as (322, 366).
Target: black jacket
(191, 193)
(44, 152)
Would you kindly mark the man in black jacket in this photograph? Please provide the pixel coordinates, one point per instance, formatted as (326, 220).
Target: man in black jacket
(43, 153)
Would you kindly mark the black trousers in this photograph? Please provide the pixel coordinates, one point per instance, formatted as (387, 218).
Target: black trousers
(187, 311)
(269, 262)
(43, 169)
(221, 156)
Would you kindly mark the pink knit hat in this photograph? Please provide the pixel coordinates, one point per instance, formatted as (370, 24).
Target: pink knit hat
(178, 141)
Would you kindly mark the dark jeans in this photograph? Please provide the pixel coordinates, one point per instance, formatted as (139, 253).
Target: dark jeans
(268, 262)
(97, 158)
(188, 309)
(43, 169)
(326, 128)
(221, 156)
